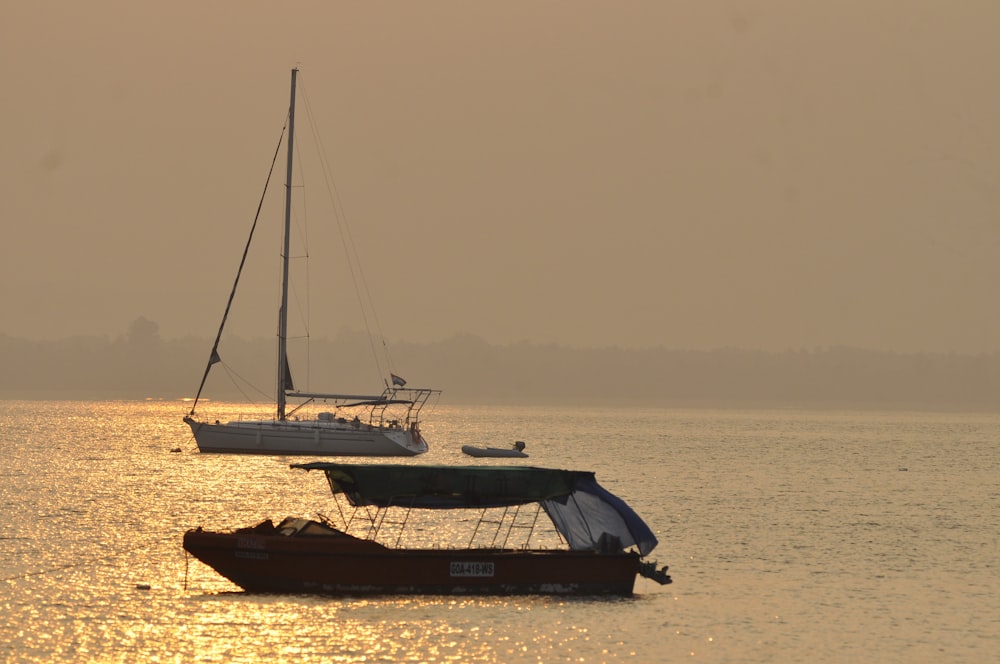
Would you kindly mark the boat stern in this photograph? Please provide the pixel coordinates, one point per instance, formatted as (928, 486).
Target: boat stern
(413, 441)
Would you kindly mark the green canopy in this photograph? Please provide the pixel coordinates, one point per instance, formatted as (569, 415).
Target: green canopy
(445, 487)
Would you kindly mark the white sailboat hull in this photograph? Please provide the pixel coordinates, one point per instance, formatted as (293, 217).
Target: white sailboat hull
(305, 437)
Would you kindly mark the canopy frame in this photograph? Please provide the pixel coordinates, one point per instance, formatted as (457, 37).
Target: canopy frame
(586, 515)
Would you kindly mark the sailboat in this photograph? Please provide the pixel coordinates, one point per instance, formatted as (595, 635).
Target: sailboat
(385, 424)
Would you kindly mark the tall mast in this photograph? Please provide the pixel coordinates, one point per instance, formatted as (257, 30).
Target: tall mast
(283, 311)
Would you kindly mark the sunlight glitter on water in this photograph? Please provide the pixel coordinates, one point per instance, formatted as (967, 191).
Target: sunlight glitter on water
(790, 536)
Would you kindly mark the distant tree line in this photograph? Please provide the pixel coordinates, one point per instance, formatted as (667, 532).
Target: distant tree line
(139, 364)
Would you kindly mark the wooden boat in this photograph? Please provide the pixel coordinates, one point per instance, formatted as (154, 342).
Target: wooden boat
(604, 541)
(385, 424)
(516, 451)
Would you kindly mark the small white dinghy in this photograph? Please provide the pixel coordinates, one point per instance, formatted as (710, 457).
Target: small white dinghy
(516, 451)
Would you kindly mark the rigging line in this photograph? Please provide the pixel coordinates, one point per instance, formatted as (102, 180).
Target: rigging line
(212, 358)
(350, 248)
(230, 372)
(302, 312)
(302, 226)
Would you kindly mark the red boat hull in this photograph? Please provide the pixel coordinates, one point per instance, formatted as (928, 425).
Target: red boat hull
(345, 565)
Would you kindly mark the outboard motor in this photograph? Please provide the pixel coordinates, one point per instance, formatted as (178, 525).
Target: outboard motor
(649, 571)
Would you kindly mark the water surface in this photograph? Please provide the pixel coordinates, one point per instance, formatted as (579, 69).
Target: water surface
(791, 536)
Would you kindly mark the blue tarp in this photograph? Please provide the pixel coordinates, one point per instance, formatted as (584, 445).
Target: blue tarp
(591, 511)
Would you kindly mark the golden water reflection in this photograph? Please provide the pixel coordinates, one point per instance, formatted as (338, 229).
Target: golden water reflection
(788, 534)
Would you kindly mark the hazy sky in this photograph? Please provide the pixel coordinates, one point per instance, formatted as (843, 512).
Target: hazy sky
(770, 174)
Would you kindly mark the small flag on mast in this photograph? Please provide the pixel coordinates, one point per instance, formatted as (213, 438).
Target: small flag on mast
(396, 380)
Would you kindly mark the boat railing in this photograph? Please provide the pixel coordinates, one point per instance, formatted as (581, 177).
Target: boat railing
(384, 520)
(494, 527)
(511, 517)
(345, 519)
(375, 519)
(415, 399)
(376, 408)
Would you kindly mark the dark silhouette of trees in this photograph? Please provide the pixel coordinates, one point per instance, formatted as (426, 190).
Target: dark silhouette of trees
(140, 364)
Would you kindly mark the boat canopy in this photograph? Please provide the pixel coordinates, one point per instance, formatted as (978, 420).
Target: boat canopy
(583, 512)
